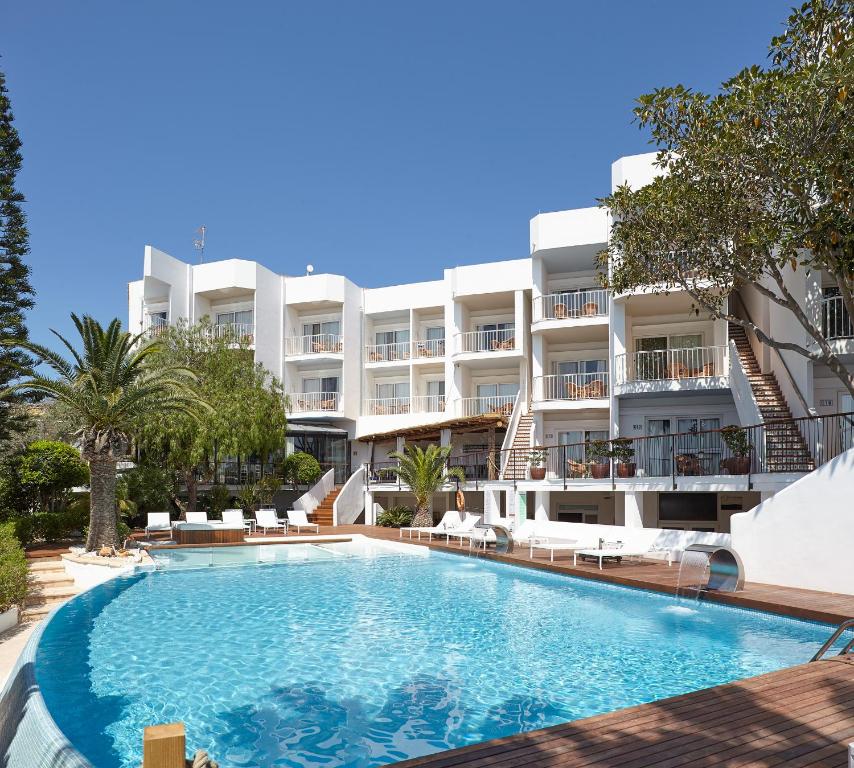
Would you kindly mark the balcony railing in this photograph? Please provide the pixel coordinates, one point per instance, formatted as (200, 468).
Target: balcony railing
(487, 341)
(571, 304)
(240, 332)
(377, 353)
(315, 344)
(501, 405)
(785, 446)
(303, 402)
(386, 406)
(668, 364)
(571, 386)
(428, 348)
(428, 404)
(156, 328)
(836, 323)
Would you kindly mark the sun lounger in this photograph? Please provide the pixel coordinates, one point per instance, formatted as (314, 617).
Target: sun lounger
(236, 516)
(297, 519)
(158, 522)
(267, 518)
(464, 530)
(449, 521)
(553, 544)
(610, 551)
(197, 517)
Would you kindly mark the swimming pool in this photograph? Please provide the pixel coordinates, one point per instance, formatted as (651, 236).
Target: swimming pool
(337, 655)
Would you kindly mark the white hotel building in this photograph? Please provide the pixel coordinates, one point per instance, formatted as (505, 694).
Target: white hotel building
(498, 358)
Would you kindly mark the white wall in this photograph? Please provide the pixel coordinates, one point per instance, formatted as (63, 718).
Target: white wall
(803, 536)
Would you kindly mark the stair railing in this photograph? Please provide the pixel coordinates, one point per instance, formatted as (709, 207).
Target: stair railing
(510, 434)
(311, 499)
(350, 502)
(837, 633)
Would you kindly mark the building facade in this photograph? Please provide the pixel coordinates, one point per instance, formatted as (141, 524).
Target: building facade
(525, 367)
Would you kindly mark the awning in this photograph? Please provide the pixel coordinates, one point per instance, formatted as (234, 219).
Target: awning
(295, 428)
(431, 431)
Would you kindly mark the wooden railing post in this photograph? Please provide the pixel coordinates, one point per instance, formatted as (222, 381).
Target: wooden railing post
(164, 746)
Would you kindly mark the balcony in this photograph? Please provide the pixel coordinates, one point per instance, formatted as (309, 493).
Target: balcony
(425, 349)
(428, 404)
(243, 333)
(569, 389)
(496, 405)
(156, 328)
(570, 305)
(672, 370)
(385, 353)
(387, 406)
(322, 344)
(486, 341)
(836, 323)
(312, 402)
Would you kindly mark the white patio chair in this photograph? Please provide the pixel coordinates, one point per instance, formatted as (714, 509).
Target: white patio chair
(158, 522)
(235, 516)
(450, 520)
(298, 519)
(465, 529)
(267, 518)
(197, 517)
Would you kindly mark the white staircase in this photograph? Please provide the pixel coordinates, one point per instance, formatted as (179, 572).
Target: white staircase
(516, 466)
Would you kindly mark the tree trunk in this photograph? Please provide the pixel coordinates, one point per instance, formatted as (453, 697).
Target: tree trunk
(103, 514)
(423, 515)
(192, 491)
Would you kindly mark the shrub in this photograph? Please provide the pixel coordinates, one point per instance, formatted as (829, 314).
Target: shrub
(148, 486)
(267, 487)
(13, 568)
(218, 498)
(395, 517)
(301, 468)
(40, 477)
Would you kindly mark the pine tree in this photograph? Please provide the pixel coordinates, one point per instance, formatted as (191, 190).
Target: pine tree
(15, 290)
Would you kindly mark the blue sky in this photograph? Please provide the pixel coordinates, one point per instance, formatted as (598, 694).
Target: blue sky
(382, 140)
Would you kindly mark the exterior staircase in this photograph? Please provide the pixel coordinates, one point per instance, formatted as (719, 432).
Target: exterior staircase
(785, 449)
(48, 586)
(517, 464)
(322, 514)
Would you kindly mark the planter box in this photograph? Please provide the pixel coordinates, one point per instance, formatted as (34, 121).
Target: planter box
(9, 619)
(738, 465)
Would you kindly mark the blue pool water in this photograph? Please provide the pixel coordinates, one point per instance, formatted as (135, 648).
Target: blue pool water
(323, 657)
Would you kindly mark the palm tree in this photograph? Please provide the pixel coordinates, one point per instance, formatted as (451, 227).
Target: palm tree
(425, 472)
(110, 387)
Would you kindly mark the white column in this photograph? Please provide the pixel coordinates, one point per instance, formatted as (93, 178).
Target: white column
(444, 437)
(633, 501)
(617, 339)
(401, 443)
(541, 505)
(369, 508)
(491, 505)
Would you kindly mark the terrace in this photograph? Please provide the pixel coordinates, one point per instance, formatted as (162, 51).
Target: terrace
(672, 369)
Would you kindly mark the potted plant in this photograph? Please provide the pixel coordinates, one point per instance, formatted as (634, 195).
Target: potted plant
(597, 451)
(623, 453)
(537, 460)
(739, 447)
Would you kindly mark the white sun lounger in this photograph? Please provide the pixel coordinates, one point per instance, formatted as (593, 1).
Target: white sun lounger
(297, 519)
(158, 522)
(197, 517)
(267, 518)
(552, 544)
(235, 516)
(465, 529)
(450, 520)
(608, 552)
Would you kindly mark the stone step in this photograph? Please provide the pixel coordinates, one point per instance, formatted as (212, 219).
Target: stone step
(54, 578)
(46, 564)
(49, 594)
(36, 612)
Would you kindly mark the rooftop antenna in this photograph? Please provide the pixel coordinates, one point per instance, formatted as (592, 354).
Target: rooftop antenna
(199, 242)
(309, 268)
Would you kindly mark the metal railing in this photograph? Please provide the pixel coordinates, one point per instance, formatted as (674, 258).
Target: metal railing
(790, 445)
(428, 348)
(836, 323)
(571, 386)
(315, 344)
(669, 364)
(156, 328)
(571, 304)
(377, 353)
(835, 635)
(486, 341)
(428, 403)
(501, 405)
(303, 402)
(243, 332)
(385, 406)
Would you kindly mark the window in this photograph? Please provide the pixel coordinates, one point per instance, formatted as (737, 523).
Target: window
(331, 327)
(392, 337)
(320, 384)
(697, 446)
(242, 317)
(435, 333)
(493, 336)
(566, 367)
(673, 507)
(498, 390)
(578, 513)
(436, 388)
(157, 318)
(578, 440)
(390, 391)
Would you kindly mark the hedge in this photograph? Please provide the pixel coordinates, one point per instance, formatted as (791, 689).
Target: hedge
(13, 569)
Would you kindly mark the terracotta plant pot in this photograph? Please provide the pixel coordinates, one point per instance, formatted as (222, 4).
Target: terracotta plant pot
(627, 469)
(738, 465)
(600, 471)
(538, 473)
